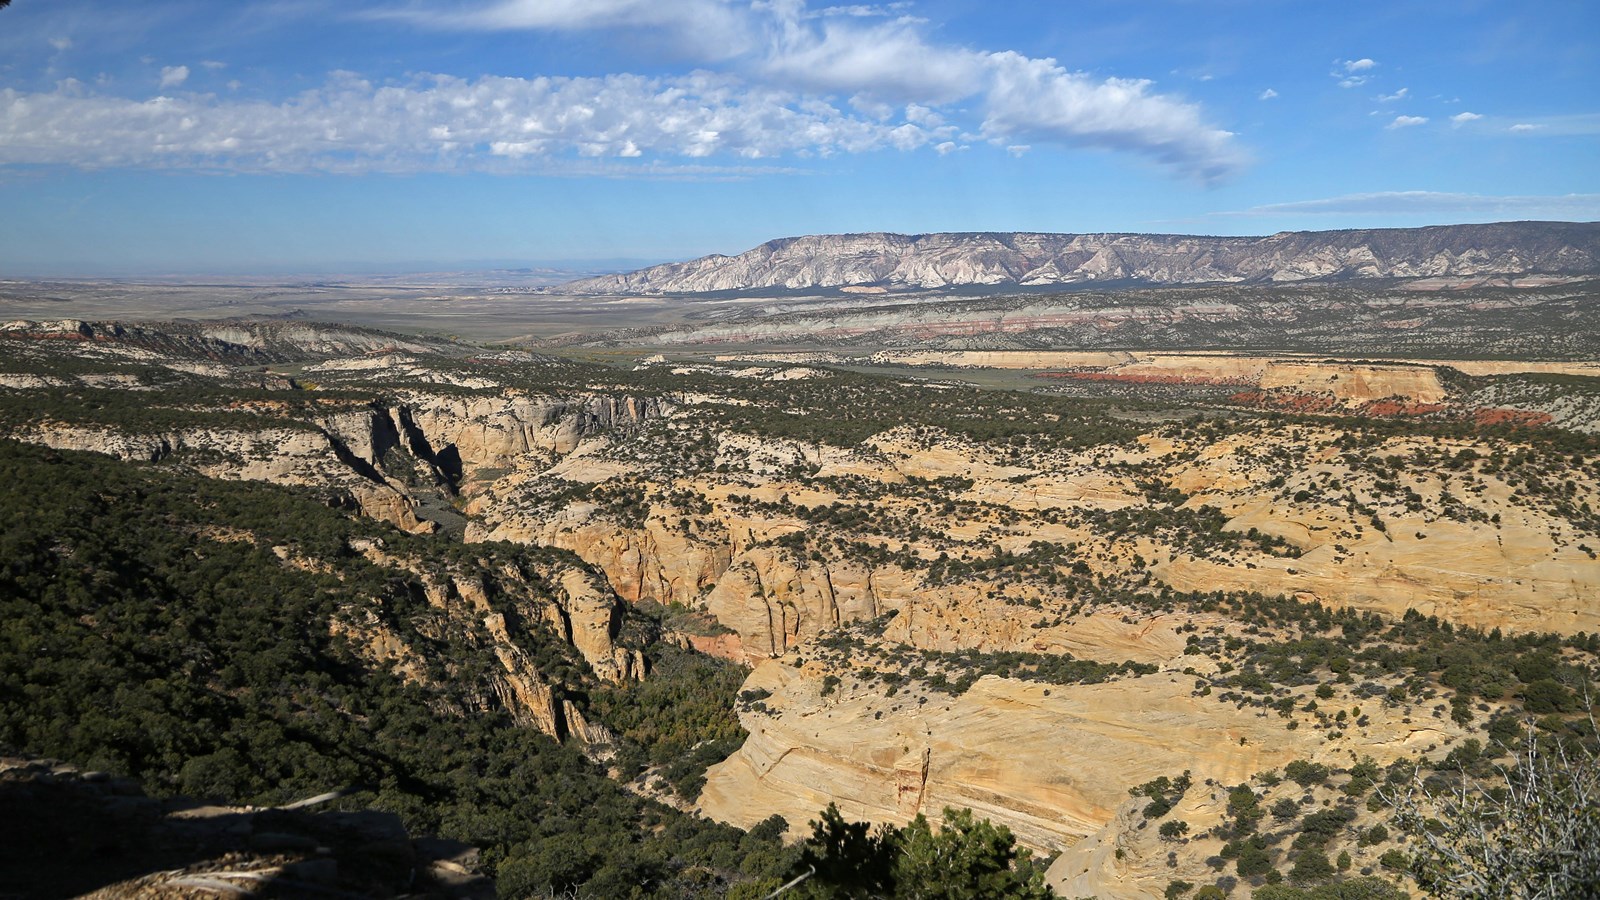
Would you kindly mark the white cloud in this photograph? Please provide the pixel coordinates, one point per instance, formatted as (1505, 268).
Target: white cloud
(889, 60)
(1018, 150)
(213, 65)
(1462, 118)
(874, 58)
(1397, 95)
(1039, 100)
(172, 76)
(1268, 94)
(61, 43)
(1407, 121)
(1567, 206)
(1524, 128)
(1344, 71)
(441, 123)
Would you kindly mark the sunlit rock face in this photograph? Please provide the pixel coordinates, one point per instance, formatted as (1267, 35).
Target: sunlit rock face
(1029, 259)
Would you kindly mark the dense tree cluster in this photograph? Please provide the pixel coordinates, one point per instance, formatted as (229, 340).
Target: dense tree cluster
(137, 639)
(963, 859)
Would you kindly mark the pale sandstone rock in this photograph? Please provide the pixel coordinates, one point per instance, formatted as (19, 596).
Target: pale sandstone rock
(1054, 767)
(1354, 384)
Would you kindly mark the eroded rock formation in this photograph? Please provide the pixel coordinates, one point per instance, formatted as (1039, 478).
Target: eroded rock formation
(1030, 259)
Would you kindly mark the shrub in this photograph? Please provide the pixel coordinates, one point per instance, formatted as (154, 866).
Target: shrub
(1306, 773)
(1394, 860)
(1311, 865)
(1253, 860)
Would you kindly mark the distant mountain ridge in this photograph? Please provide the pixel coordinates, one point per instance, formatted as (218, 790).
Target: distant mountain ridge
(1028, 259)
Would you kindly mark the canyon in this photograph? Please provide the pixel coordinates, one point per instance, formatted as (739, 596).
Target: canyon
(1024, 603)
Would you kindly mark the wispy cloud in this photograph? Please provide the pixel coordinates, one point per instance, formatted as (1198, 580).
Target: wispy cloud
(1540, 126)
(890, 60)
(1268, 94)
(1563, 206)
(1407, 121)
(864, 10)
(172, 76)
(706, 30)
(1397, 95)
(873, 54)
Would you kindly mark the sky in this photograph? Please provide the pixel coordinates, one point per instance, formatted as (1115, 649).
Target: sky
(236, 136)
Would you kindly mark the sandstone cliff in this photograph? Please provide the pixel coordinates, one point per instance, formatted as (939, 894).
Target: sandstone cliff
(746, 546)
(1052, 763)
(383, 458)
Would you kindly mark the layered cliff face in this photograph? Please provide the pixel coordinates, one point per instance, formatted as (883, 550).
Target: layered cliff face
(779, 560)
(385, 459)
(242, 341)
(487, 611)
(1054, 763)
(1029, 259)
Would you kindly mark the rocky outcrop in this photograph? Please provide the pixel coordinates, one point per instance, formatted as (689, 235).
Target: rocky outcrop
(769, 598)
(381, 458)
(568, 599)
(1053, 763)
(1029, 259)
(1355, 383)
(238, 341)
(1495, 561)
(1499, 563)
(496, 431)
(289, 454)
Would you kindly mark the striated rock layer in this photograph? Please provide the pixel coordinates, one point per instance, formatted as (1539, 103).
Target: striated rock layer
(1054, 763)
(1022, 259)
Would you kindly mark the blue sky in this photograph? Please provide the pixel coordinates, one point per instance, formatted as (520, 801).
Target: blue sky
(311, 135)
